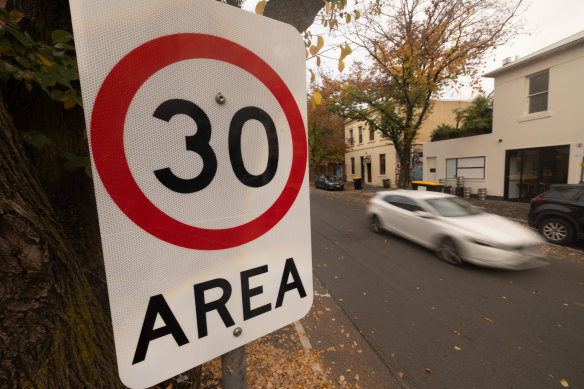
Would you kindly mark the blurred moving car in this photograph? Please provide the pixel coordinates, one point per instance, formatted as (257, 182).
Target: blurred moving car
(559, 213)
(328, 182)
(456, 230)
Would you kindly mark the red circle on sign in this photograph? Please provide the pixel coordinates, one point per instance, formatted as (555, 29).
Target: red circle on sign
(107, 138)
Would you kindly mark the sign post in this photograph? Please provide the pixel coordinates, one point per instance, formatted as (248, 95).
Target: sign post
(197, 135)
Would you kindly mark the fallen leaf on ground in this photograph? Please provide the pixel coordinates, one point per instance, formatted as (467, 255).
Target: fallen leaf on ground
(504, 298)
(564, 383)
(457, 348)
(428, 371)
(457, 332)
(489, 320)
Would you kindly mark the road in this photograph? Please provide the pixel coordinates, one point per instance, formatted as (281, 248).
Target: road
(433, 325)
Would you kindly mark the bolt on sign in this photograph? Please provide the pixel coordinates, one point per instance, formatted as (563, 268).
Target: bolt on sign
(197, 130)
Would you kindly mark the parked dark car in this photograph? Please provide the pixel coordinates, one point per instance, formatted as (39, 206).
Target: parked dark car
(328, 182)
(559, 213)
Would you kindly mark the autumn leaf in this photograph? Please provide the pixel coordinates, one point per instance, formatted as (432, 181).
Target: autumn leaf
(348, 19)
(457, 348)
(259, 9)
(316, 98)
(357, 15)
(319, 42)
(489, 320)
(317, 61)
(564, 383)
(428, 371)
(312, 77)
(45, 61)
(341, 65)
(327, 7)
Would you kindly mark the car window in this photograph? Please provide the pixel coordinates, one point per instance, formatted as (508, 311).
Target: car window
(453, 207)
(403, 202)
(332, 178)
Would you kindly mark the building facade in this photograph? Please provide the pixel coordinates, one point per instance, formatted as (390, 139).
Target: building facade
(371, 156)
(538, 134)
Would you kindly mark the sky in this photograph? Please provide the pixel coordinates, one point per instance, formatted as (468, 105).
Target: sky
(544, 23)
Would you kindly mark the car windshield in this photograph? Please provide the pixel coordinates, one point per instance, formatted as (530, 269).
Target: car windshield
(453, 207)
(332, 178)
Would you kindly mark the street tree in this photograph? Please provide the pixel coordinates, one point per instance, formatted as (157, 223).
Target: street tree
(326, 143)
(415, 49)
(54, 325)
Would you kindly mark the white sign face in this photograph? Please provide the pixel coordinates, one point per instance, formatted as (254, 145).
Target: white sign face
(196, 117)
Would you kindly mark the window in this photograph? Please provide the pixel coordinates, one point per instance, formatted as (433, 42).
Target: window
(360, 134)
(351, 139)
(403, 203)
(352, 165)
(382, 164)
(371, 134)
(472, 168)
(538, 92)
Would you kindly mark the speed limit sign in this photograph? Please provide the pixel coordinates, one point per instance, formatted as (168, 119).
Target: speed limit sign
(196, 125)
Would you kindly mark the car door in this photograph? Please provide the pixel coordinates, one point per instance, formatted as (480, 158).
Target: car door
(404, 221)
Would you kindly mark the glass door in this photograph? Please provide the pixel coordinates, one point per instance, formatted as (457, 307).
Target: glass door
(529, 172)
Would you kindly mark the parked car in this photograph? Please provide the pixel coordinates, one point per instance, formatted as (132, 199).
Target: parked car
(559, 213)
(328, 182)
(456, 230)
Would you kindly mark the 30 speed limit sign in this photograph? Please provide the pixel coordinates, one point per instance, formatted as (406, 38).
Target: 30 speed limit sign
(196, 123)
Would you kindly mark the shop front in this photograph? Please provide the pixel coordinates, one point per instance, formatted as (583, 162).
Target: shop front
(529, 172)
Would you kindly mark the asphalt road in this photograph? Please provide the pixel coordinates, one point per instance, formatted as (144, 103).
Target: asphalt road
(432, 325)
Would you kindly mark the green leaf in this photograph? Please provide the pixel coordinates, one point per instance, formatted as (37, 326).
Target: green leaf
(64, 46)
(74, 162)
(20, 37)
(58, 95)
(60, 36)
(36, 139)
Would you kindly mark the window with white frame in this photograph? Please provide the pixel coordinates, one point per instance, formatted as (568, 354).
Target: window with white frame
(538, 92)
(471, 168)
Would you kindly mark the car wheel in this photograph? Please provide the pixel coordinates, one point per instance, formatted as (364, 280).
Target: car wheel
(374, 224)
(448, 252)
(558, 231)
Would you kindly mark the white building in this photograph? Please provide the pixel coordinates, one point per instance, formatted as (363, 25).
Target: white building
(538, 129)
(371, 155)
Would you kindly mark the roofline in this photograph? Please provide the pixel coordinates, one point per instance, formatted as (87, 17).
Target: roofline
(564, 44)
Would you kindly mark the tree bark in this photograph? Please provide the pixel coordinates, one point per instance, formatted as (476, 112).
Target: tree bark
(53, 332)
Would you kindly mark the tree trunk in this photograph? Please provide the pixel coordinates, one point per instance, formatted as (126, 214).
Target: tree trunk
(54, 332)
(405, 162)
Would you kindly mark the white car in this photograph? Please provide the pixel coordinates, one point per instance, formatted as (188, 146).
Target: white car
(455, 229)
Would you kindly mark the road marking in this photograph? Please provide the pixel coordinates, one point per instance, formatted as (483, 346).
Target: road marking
(322, 295)
(306, 345)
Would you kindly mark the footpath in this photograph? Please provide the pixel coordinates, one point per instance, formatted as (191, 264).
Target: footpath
(335, 354)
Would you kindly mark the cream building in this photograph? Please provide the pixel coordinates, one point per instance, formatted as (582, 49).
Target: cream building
(538, 132)
(371, 156)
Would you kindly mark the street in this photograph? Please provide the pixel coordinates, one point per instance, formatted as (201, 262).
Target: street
(433, 325)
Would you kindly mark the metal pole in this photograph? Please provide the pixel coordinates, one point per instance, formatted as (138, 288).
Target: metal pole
(234, 369)
(582, 171)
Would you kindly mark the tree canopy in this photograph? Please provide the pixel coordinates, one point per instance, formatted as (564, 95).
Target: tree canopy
(415, 49)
